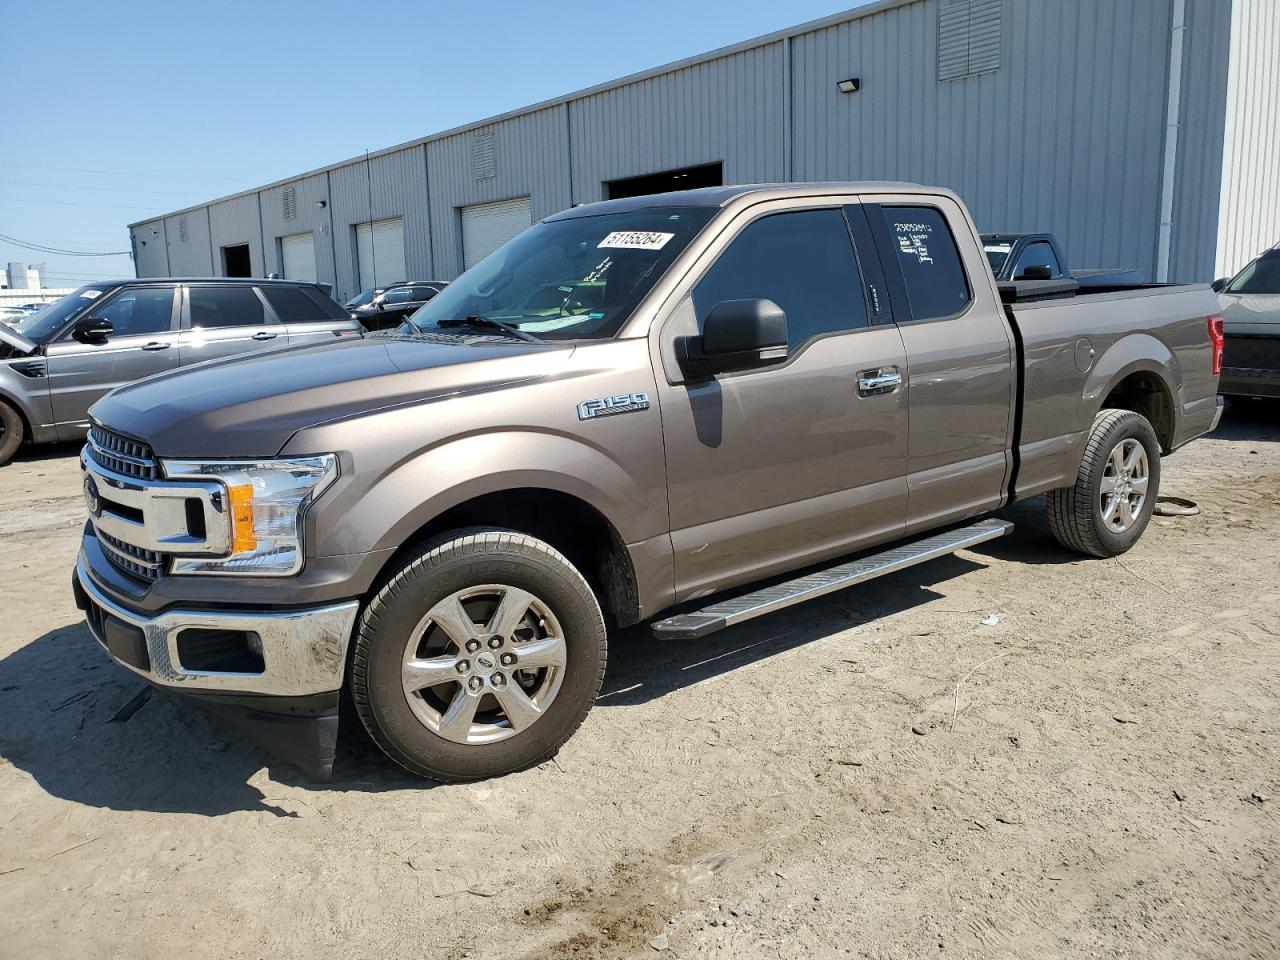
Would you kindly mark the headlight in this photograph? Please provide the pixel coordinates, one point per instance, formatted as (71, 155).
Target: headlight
(265, 504)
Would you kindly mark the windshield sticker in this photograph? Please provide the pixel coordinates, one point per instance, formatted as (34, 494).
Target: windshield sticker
(554, 323)
(913, 240)
(91, 294)
(634, 240)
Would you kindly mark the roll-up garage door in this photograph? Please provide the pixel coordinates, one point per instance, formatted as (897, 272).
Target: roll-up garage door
(298, 257)
(487, 226)
(380, 253)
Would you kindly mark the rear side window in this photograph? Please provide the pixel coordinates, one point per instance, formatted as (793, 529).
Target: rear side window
(292, 305)
(226, 307)
(424, 293)
(803, 262)
(1038, 254)
(926, 253)
(398, 295)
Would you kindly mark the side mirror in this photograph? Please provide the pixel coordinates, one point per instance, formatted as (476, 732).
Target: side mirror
(1220, 284)
(92, 330)
(737, 335)
(1040, 271)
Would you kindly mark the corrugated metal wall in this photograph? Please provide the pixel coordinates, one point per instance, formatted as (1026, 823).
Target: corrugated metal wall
(150, 258)
(189, 252)
(1066, 134)
(308, 217)
(1249, 221)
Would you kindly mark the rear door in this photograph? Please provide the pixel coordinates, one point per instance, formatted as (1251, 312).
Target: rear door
(773, 468)
(143, 342)
(307, 314)
(221, 320)
(959, 358)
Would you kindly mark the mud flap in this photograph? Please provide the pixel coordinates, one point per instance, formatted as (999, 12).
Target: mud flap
(302, 731)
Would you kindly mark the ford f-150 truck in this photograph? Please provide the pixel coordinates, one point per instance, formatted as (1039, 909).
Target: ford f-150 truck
(1038, 256)
(802, 386)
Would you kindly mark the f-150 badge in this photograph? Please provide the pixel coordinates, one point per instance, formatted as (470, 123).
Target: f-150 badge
(608, 406)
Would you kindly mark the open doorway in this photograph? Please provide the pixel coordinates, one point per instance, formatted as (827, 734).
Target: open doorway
(236, 262)
(686, 178)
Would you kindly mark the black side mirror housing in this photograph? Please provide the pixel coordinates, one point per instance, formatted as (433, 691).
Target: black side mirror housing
(737, 335)
(92, 330)
(1041, 271)
(1220, 284)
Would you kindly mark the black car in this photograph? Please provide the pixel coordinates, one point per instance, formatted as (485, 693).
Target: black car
(388, 308)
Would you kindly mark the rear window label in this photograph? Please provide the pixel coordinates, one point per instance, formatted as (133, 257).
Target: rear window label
(913, 240)
(634, 240)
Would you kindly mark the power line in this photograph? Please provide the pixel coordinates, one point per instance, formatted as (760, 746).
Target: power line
(42, 248)
(69, 203)
(74, 186)
(124, 173)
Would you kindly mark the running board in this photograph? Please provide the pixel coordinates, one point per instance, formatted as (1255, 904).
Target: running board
(725, 613)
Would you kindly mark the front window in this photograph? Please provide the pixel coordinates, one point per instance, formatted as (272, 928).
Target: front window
(361, 298)
(579, 278)
(1261, 276)
(43, 325)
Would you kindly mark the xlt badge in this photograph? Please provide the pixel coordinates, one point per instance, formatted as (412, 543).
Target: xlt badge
(608, 406)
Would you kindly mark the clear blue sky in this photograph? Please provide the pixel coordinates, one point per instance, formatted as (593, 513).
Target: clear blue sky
(115, 112)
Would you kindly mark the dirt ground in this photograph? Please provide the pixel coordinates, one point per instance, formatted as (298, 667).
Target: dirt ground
(1008, 753)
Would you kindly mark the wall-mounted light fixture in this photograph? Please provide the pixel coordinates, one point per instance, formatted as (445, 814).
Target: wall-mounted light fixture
(852, 85)
(322, 204)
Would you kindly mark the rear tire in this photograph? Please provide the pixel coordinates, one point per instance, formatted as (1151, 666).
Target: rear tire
(11, 432)
(1108, 508)
(480, 657)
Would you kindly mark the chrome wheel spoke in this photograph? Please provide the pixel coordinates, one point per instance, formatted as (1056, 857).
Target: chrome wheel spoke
(1126, 511)
(515, 703)
(1110, 485)
(1109, 509)
(1139, 485)
(1117, 459)
(511, 610)
(420, 674)
(450, 616)
(455, 723)
(1132, 458)
(548, 652)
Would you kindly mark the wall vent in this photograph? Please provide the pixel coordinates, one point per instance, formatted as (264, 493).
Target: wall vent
(484, 162)
(182, 229)
(289, 203)
(969, 33)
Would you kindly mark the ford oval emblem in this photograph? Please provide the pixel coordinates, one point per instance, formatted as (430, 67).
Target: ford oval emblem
(91, 501)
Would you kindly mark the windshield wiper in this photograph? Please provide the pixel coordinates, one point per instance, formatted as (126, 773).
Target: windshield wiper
(478, 321)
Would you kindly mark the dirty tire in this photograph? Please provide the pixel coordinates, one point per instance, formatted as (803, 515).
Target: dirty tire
(1075, 512)
(10, 432)
(446, 565)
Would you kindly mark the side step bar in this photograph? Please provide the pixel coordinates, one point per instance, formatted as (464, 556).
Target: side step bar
(725, 613)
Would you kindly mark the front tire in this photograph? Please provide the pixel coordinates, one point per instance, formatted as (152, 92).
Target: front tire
(1108, 508)
(10, 432)
(479, 657)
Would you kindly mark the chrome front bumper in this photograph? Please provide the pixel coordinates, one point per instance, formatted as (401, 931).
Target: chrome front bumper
(303, 652)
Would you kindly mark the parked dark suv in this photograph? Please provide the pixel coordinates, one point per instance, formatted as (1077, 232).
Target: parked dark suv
(59, 360)
(388, 308)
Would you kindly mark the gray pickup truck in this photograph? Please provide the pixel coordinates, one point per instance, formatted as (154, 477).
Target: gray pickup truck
(809, 385)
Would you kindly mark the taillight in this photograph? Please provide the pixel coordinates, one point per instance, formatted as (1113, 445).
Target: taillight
(1218, 340)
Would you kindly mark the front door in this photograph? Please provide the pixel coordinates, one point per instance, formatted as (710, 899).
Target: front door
(227, 319)
(774, 468)
(143, 341)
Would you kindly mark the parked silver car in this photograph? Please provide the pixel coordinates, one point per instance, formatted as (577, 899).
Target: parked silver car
(58, 361)
(1251, 315)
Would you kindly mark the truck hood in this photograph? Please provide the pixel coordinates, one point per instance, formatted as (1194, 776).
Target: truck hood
(1251, 312)
(250, 406)
(10, 337)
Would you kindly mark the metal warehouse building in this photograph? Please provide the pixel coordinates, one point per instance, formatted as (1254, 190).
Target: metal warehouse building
(1142, 132)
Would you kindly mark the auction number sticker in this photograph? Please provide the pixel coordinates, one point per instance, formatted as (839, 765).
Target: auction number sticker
(634, 240)
(91, 294)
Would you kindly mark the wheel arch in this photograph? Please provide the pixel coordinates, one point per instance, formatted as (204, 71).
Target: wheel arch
(1139, 373)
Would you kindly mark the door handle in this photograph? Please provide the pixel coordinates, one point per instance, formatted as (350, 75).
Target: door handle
(156, 345)
(872, 383)
(264, 335)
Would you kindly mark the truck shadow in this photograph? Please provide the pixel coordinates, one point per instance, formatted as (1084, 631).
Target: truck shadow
(68, 726)
(1250, 420)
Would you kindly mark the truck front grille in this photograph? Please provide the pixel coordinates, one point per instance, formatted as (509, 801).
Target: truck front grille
(144, 564)
(121, 455)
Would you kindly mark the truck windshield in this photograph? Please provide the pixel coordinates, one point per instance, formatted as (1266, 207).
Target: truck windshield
(43, 325)
(1261, 276)
(572, 279)
(997, 254)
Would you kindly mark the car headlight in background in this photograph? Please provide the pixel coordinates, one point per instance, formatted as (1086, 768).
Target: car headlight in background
(266, 500)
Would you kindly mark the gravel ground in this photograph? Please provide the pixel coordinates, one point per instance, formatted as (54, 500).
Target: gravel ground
(1012, 752)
